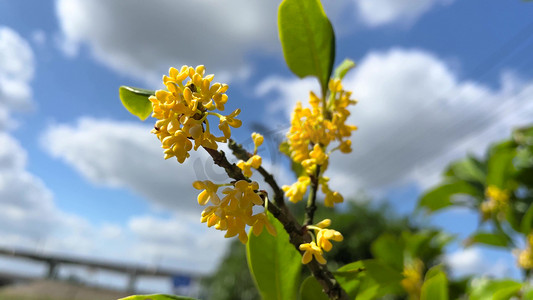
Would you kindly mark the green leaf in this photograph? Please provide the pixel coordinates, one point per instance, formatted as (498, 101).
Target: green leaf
(156, 297)
(381, 249)
(307, 39)
(500, 164)
(469, 169)
(435, 286)
(442, 196)
(482, 289)
(274, 263)
(343, 68)
(312, 290)
(492, 239)
(527, 221)
(135, 100)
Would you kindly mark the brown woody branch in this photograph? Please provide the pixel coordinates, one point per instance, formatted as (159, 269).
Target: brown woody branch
(297, 234)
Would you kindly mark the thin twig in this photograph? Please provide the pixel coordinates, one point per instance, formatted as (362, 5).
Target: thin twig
(311, 206)
(297, 234)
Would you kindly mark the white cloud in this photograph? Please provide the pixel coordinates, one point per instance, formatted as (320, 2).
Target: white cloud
(479, 262)
(414, 116)
(126, 154)
(143, 38)
(382, 12)
(16, 72)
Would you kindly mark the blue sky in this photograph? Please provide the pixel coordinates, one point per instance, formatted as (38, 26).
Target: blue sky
(436, 79)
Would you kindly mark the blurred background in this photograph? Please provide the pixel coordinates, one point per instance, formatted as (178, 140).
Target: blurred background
(88, 207)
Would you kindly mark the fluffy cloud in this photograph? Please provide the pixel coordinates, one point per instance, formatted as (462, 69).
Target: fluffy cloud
(143, 38)
(16, 72)
(123, 154)
(414, 116)
(381, 12)
(475, 261)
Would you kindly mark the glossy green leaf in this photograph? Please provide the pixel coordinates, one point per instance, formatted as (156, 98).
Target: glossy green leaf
(274, 263)
(442, 196)
(493, 289)
(312, 290)
(491, 239)
(435, 286)
(307, 39)
(343, 68)
(156, 297)
(135, 100)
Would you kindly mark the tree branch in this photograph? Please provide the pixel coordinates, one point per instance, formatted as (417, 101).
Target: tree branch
(297, 234)
(311, 206)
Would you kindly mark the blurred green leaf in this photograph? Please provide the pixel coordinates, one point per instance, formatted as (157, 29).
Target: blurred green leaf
(482, 289)
(312, 290)
(435, 286)
(442, 196)
(274, 263)
(500, 164)
(135, 100)
(156, 297)
(307, 39)
(527, 220)
(381, 249)
(469, 169)
(343, 68)
(491, 239)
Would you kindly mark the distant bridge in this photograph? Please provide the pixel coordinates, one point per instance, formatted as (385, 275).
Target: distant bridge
(132, 271)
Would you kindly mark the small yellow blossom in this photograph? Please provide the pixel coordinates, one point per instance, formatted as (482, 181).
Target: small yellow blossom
(246, 167)
(313, 130)
(525, 256)
(323, 237)
(182, 110)
(235, 210)
(496, 203)
(258, 139)
(297, 190)
(412, 282)
(312, 250)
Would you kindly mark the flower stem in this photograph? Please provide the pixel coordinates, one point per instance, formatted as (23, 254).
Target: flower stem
(311, 199)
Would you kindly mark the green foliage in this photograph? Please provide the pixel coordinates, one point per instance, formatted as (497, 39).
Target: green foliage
(491, 239)
(482, 289)
(156, 297)
(307, 39)
(312, 290)
(342, 69)
(443, 195)
(135, 100)
(274, 263)
(435, 285)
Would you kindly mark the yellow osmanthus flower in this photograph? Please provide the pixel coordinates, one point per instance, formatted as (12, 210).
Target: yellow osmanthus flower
(497, 201)
(412, 282)
(525, 256)
(182, 110)
(234, 211)
(312, 250)
(255, 161)
(313, 130)
(322, 243)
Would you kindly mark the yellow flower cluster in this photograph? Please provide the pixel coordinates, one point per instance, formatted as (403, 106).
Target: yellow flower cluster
(182, 111)
(312, 131)
(412, 282)
(525, 257)
(235, 210)
(497, 201)
(254, 161)
(322, 242)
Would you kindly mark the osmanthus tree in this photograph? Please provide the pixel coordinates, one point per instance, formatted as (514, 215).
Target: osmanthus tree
(500, 188)
(277, 245)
